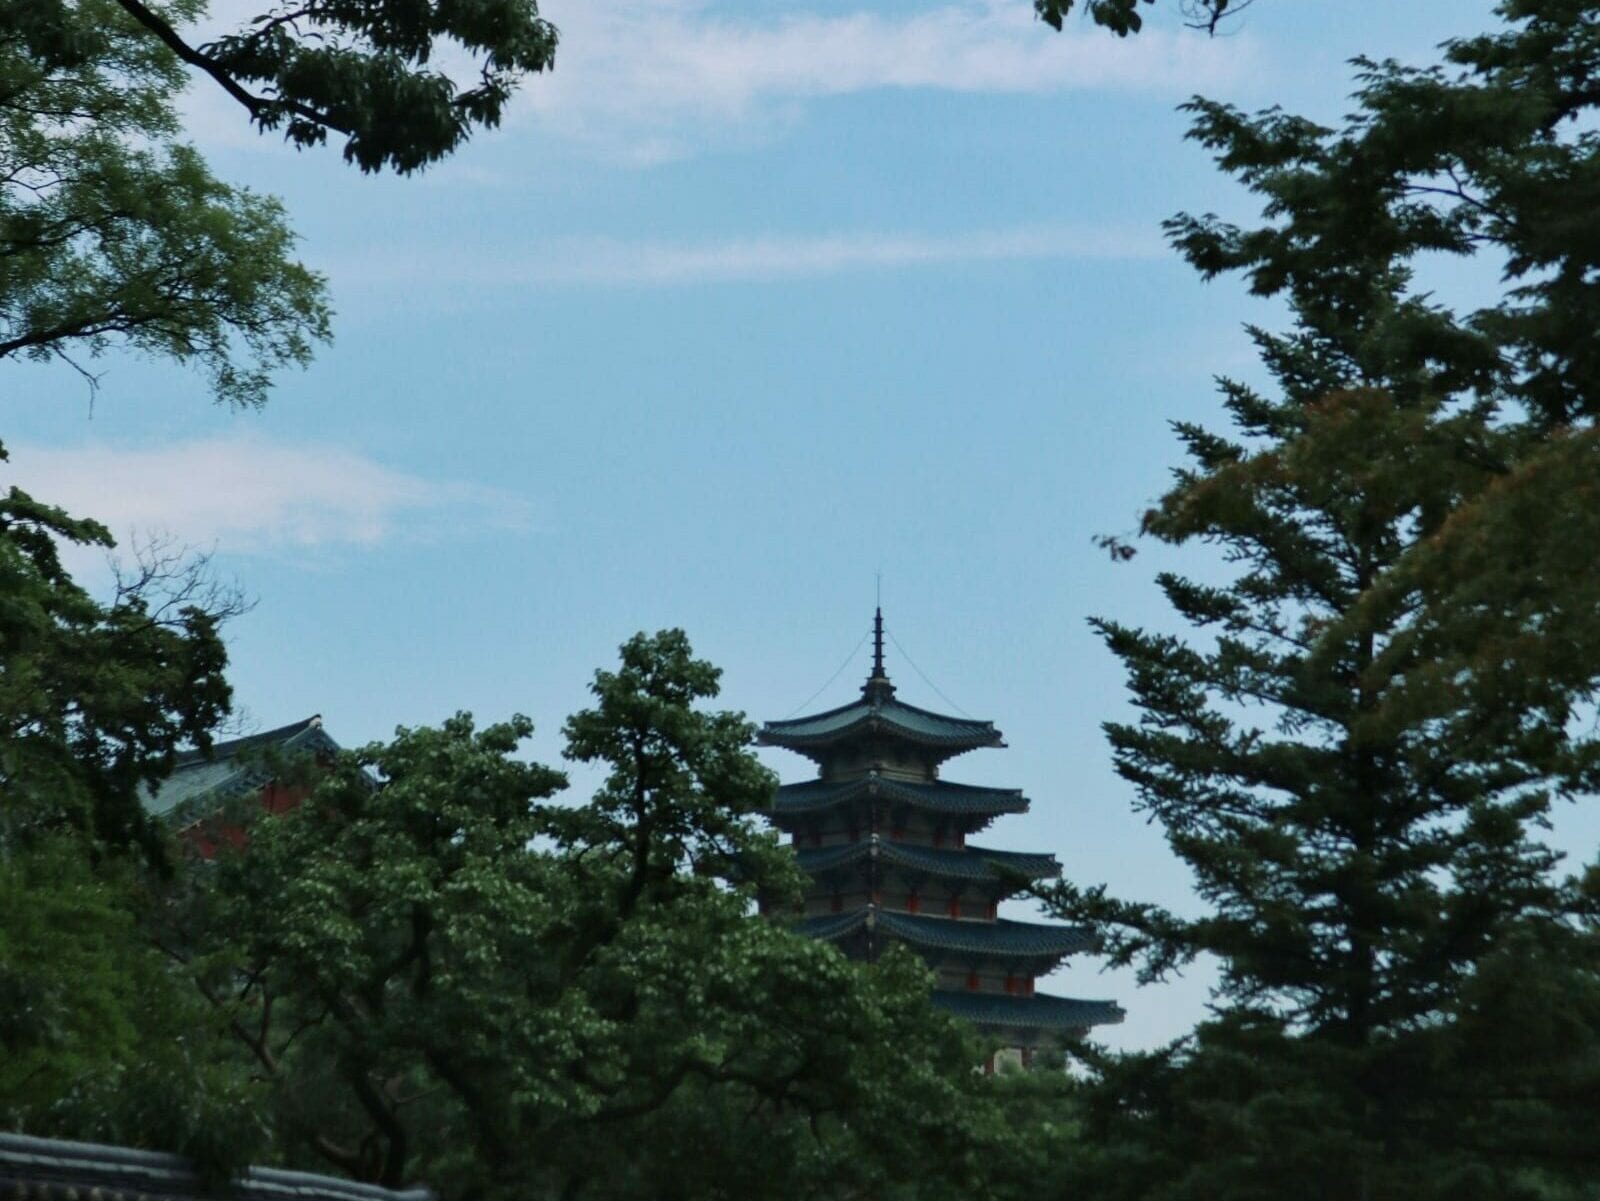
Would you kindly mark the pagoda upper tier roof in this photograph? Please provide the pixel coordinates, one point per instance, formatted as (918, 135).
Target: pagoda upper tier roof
(879, 713)
(1040, 1011)
(965, 863)
(1002, 938)
(936, 796)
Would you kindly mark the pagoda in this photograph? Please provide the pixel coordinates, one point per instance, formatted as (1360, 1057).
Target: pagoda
(883, 840)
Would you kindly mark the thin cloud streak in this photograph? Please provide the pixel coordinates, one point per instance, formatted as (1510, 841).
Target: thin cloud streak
(640, 82)
(609, 262)
(652, 80)
(248, 495)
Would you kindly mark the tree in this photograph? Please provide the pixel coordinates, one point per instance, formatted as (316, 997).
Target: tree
(1122, 17)
(112, 229)
(1374, 894)
(363, 70)
(443, 975)
(1355, 753)
(99, 1039)
(96, 698)
(1488, 157)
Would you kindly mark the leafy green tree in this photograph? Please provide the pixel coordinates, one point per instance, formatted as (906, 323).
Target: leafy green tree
(99, 1038)
(443, 975)
(95, 698)
(113, 231)
(364, 70)
(1123, 17)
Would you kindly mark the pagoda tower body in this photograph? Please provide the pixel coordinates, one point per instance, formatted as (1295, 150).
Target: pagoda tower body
(883, 840)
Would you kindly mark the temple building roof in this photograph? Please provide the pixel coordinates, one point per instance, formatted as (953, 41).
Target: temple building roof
(1001, 938)
(204, 779)
(1036, 1011)
(936, 796)
(965, 863)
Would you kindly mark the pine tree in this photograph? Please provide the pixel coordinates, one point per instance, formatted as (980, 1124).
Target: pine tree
(1355, 745)
(1367, 881)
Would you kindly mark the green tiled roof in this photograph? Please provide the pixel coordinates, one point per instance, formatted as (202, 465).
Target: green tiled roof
(968, 863)
(878, 712)
(230, 769)
(1039, 1011)
(1004, 938)
(936, 796)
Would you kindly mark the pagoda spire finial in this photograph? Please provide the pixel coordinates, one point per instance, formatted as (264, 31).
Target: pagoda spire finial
(877, 686)
(877, 643)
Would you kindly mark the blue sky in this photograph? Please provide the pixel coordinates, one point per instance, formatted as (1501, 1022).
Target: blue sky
(743, 304)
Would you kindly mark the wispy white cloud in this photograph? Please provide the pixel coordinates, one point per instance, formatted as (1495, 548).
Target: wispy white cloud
(613, 262)
(250, 495)
(655, 79)
(642, 81)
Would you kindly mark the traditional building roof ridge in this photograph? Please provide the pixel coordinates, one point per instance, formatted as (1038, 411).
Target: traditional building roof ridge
(229, 769)
(1040, 1010)
(963, 863)
(941, 796)
(280, 738)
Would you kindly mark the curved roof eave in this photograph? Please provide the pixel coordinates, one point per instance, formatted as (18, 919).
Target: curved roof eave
(938, 796)
(956, 863)
(1002, 937)
(883, 715)
(1039, 1011)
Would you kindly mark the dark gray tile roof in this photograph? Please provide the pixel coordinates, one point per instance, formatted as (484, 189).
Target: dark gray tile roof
(880, 712)
(40, 1167)
(1040, 1011)
(204, 780)
(1003, 938)
(965, 863)
(935, 796)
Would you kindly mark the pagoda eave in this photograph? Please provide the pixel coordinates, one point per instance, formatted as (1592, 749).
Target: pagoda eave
(967, 865)
(931, 796)
(1041, 1011)
(955, 940)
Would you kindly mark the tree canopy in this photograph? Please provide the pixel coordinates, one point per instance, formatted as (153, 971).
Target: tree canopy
(112, 229)
(441, 972)
(115, 232)
(1123, 17)
(366, 71)
(96, 698)
(1356, 747)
